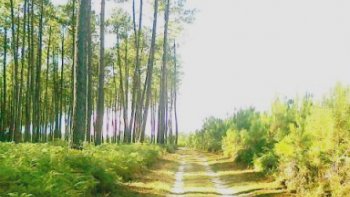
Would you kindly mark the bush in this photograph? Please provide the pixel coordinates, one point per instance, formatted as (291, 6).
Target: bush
(243, 145)
(56, 170)
(305, 143)
(231, 143)
(209, 137)
(266, 163)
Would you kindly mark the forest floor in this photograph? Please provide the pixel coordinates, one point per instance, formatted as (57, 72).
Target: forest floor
(189, 173)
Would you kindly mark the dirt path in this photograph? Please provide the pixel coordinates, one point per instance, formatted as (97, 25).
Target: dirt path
(196, 178)
(189, 173)
(210, 175)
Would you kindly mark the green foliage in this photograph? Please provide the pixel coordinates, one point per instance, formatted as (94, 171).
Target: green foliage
(304, 143)
(209, 137)
(55, 170)
(182, 140)
(315, 155)
(268, 162)
(248, 139)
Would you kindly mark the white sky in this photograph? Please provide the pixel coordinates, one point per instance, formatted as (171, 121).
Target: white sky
(240, 53)
(246, 52)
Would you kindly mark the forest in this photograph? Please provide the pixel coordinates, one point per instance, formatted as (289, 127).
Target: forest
(58, 80)
(89, 107)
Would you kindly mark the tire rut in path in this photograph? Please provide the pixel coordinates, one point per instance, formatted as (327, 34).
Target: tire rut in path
(187, 160)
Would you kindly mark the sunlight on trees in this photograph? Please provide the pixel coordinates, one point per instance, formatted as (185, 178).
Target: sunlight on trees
(303, 142)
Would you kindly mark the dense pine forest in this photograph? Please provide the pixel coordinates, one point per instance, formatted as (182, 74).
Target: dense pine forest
(60, 82)
(89, 107)
(63, 90)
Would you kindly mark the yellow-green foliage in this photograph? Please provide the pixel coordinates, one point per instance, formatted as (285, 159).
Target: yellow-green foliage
(209, 137)
(231, 143)
(56, 170)
(306, 144)
(316, 156)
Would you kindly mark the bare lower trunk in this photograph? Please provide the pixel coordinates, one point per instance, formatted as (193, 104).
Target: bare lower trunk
(163, 100)
(148, 83)
(100, 98)
(80, 86)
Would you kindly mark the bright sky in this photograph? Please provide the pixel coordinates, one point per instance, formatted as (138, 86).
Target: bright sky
(240, 53)
(246, 52)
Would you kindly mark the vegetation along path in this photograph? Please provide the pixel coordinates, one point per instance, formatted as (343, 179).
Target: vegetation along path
(200, 174)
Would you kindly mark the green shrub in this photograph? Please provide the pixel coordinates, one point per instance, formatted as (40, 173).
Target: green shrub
(209, 137)
(305, 143)
(231, 143)
(266, 163)
(55, 170)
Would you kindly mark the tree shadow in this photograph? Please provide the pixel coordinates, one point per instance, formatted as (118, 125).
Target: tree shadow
(247, 181)
(201, 193)
(226, 164)
(243, 178)
(160, 172)
(262, 192)
(132, 191)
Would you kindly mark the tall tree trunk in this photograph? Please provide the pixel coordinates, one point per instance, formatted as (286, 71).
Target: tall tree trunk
(31, 75)
(115, 105)
(170, 114)
(46, 118)
(100, 98)
(136, 91)
(70, 113)
(122, 93)
(61, 88)
(127, 131)
(119, 118)
(4, 104)
(175, 96)
(149, 77)
(57, 133)
(89, 96)
(19, 98)
(15, 135)
(80, 86)
(36, 100)
(163, 100)
(153, 119)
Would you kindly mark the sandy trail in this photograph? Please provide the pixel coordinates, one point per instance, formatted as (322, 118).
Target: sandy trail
(195, 177)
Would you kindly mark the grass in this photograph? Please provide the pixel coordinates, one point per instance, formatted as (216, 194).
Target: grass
(155, 181)
(158, 181)
(120, 170)
(244, 181)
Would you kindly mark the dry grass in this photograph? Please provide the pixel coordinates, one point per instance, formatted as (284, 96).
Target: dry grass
(243, 180)
(157, 181)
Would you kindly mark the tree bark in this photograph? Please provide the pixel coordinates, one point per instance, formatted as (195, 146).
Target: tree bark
(70, 113)
(19, 98)
(4, 104)
(15, 135)
(100, 98)
(80, 86)
(36, 100)
(61, 85)
(149, 76)
(163, 100)
(136, 91)
(89, 96)
(46, 118)
(175, 96)
(125, 92)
